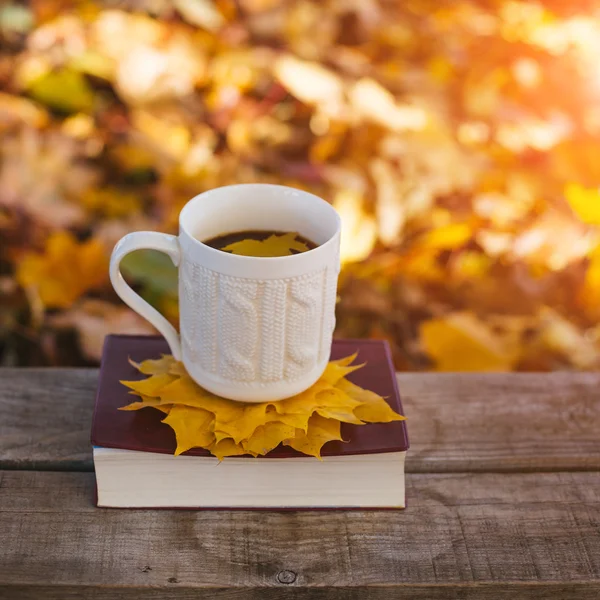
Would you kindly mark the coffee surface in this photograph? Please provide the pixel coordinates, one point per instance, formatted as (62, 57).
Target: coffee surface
(259, 243)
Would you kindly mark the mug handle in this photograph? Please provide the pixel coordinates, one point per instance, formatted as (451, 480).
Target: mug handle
(144, 240)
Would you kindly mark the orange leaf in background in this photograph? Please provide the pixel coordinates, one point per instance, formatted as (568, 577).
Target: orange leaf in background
(590, 292)
(460, 342)
(227, 428)
(559, 335)
(309, 81)
(465, 179)
(448, 237)
(111, 202)
(470, 265)
(359, 229)
(15, 109)
(66, 270)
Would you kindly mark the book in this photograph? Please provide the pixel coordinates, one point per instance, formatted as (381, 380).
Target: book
(135, 466)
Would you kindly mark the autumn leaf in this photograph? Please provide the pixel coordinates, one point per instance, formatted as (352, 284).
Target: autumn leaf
(111, 202)
(66, 270)
(448, 237)
(226, 447)
(268, 436)
(192, 427)
(589, 294)
(146, 402)
(371, 408)
(359, 228)
(159, 366)
(153, 387)
(305, 422)
(274, 245)
(152, 269)
(309, 81)
(336, 404)
(460, 342)
(65, 90)
(15, 110)
(561, 336)
(465, 178)
(337, 370)
(584, 202)
(320, 431)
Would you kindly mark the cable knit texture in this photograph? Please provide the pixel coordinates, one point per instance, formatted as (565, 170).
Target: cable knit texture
(254, 331)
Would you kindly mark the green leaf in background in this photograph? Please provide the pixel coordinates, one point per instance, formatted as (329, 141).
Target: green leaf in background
(15, 18)
(154, 271)
(93, 63)
(64, 90)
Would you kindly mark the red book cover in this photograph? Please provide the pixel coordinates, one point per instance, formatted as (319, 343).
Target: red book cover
(142, 430)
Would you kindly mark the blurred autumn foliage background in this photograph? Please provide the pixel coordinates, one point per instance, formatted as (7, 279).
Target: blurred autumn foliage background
(459, 140)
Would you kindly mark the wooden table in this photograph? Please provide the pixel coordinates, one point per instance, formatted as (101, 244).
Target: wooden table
(503, 493)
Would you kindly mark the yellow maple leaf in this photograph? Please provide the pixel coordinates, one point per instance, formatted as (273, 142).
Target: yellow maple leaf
(65, 271)
(150, 402)
(296, 420)
(334, 373)
(320, 431)
(242, 425)
(156, 366)
(151, 387)
(227, 428)
(300, 404)
(269, 436)
(192, 427)
(226, 447)
(274, 245)
(584, 202)
(184, 390)
(147, 401)
(342, 362)
(371, 408)
(461, 342)
(334, 403)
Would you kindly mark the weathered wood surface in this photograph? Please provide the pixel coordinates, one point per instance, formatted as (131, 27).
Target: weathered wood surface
(464, 535)
(503, 503)
(487, 422)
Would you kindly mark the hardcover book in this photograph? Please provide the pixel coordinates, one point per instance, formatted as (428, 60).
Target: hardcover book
(135, 465)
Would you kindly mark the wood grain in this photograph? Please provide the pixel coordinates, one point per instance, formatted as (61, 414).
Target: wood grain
(502, 422)
(463, 536)
(470, 422)
(513, 591)
(503, 503)
(45, 418)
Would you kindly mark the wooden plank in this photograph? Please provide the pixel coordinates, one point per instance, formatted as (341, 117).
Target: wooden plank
(502, 422)
(462, 536)
(45, 418)
(512, 591)
(457, 422)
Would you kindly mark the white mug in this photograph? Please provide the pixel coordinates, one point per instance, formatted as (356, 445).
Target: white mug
(251, 329)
